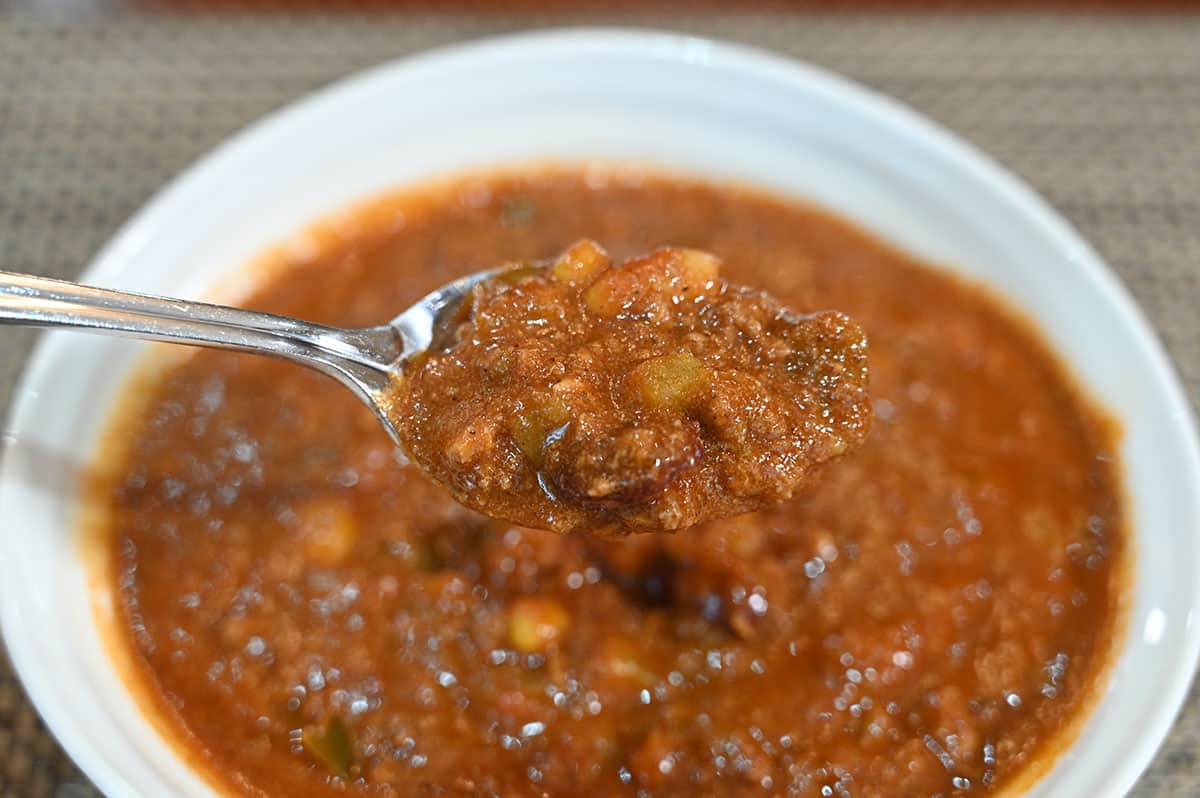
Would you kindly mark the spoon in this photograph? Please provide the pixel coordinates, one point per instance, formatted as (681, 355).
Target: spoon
(361, 359)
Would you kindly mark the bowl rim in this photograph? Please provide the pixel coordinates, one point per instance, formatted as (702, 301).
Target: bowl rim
(667, 46)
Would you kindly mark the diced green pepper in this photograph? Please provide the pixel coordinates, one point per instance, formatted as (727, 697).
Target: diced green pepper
(331, 746)
(671, 381)
(530, 428)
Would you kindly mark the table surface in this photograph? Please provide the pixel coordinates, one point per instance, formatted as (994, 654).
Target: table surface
(1101, 114)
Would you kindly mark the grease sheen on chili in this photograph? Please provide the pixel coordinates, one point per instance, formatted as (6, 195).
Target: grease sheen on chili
(311, 617)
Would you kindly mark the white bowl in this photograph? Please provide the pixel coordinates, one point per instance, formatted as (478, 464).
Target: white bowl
(677, 102)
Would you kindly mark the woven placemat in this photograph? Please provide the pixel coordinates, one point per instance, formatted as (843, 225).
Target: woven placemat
(1101, 114)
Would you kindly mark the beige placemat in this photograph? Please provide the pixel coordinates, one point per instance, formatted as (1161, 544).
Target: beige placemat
(1100, 114)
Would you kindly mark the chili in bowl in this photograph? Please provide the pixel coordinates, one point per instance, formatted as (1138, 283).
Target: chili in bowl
(269, 601)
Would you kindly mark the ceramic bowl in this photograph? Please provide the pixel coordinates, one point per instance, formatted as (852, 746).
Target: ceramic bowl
(675, 102)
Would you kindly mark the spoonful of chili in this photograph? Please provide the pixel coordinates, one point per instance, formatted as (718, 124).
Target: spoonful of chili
(571, 394)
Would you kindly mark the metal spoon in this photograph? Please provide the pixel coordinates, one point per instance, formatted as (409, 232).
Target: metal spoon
(361, 359)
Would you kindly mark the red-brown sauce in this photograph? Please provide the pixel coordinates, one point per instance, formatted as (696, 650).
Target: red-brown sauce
(312, 618)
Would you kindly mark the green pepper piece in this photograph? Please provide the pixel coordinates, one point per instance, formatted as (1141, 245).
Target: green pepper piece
(517, 211)
(331, 746)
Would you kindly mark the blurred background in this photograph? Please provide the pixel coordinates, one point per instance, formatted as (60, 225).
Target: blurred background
(1097, 104)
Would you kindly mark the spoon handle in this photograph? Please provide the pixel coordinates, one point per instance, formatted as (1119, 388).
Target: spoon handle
(359, 358)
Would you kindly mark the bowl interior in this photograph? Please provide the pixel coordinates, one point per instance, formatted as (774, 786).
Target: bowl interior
(676, 103)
